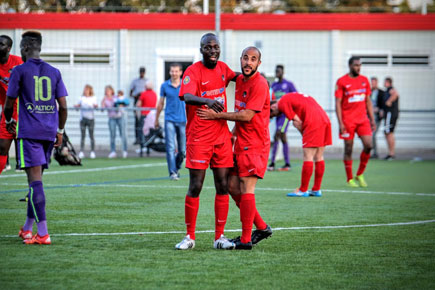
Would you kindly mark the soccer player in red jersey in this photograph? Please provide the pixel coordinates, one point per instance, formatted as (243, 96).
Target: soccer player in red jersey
(313, 123)
(7, 63)
(208, 142)
(251, 149)
(355, 114)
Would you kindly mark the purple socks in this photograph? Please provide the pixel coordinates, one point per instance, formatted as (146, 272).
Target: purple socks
(36, 207)
(285, 151)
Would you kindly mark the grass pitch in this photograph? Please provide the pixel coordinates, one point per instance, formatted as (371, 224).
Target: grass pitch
(114, 224)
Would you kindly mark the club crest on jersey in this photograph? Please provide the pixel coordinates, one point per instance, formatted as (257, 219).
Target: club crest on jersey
(244, 94)
(186, 80)
(223, 78)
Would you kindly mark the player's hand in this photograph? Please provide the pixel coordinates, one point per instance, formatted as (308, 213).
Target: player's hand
(12, 127)
(342, 129)
(373, 125)
(388, 104)
(206, 114)
(215, 105)
(156, 124)
(59, 138)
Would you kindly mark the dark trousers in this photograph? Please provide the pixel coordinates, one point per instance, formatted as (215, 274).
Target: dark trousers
(90, 124)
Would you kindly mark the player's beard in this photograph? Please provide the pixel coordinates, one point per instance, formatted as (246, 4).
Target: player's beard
(253, 71)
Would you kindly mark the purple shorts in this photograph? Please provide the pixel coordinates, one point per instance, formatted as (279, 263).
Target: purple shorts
(32, 153)
(282, 123)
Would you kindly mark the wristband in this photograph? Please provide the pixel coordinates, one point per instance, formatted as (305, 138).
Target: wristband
(60, 131)
(10, 121)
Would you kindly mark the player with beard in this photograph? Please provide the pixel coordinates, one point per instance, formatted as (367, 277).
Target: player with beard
(355, 114)
(208, 142)
(7, 63)
(251, 148)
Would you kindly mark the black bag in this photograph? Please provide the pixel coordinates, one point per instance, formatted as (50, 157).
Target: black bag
(65, 153)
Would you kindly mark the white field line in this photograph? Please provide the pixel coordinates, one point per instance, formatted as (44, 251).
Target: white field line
(212, 187)
(89, 170)
(238, 230)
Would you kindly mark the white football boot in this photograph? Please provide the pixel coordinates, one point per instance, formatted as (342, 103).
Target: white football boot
(224, 244)
(185, 244)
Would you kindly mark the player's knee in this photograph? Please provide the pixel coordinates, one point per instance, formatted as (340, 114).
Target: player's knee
(222, 187)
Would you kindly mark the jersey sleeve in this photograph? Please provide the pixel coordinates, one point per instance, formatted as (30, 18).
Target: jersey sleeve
(284, 106)
(162, 91)
(14, 81)
(189, 84)
(60, 87)
(230, 74)
(257, 97)
(292, 88)
(339, 90)
(368, 89)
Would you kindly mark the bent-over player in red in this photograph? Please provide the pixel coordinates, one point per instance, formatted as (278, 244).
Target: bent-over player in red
(355, 114)
(313, 123)
(251, 149)
(7, 63)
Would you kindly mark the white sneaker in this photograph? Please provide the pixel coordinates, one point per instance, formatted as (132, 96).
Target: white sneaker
(81, 155)
(174, 176)
(112, 154)
(185, 244)
(223, 244)
(92, 155)
(124, 154)
(8, 167)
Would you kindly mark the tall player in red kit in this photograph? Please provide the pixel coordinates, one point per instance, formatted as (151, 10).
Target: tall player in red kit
(208, 143)
(311, 120)
(251, 149)
(355, 115)
(7, 63)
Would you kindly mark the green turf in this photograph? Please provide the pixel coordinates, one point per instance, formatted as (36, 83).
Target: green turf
(142, 199)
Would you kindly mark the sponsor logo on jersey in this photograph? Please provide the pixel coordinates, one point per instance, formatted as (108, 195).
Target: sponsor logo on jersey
(213, 92)
(357, 98)
(39, 109)
(186, 80)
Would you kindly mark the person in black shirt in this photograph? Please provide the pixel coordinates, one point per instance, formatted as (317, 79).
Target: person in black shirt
(391, 108)
(378, 110)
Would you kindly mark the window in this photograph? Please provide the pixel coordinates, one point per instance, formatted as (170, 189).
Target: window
(417, 60)
(73, 57)
(405, 59)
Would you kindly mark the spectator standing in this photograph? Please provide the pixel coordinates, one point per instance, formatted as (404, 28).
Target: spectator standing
(175, 120)
(148, 99)
(115, 120)
(87, 104)
(378, 104)
(391, 115)
(136, 88)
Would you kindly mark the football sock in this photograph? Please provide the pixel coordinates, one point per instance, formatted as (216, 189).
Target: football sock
(3, 160)
(221, 204)
(28, 225)
(191, 207)
(247, 213)
(363, 160)
(307, 171)
(36, 201)
(348, 168)
(285, 151)
(318, 174)
(42, 228)
(274, 149)
(259, 223)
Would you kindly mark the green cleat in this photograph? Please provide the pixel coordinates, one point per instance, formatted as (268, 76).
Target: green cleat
(361, 180)
(352, 183)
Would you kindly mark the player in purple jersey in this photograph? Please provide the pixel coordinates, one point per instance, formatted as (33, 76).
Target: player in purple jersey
(40, 125)
(280, 88)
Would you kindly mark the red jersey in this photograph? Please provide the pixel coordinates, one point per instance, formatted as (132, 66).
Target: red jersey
(148, 99)
(306, 107)
(211, 84)
(353, 92)
(253, 94)
(5, 73)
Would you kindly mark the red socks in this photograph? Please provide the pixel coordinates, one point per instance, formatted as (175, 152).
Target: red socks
(258, 220)
(247, 214)
(348, 168)
(364, 159)
(3, 160)
(307, 171)
(191, 206)
(318, 175)
(221, 204)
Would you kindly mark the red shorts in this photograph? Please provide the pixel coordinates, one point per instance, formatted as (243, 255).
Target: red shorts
(4, 134)
(362, 129)
(250, 165)
(217, 156)
(318, 136)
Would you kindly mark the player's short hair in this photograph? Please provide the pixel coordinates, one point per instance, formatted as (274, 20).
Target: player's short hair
(34, 38)
(280, 66)
(207, 35)
(389, 79)
(374, 78)
(352, 59)
(176, 64)
(255, 48)
(142, 69)
(8, 40)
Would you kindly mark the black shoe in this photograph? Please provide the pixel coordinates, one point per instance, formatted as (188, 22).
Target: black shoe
(235, 240)
(242, 246)
(389, 158)
(271, 167)
(259, 235)
(286, 167)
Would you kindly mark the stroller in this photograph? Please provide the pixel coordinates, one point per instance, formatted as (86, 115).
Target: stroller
(65, 153)
(154, 140)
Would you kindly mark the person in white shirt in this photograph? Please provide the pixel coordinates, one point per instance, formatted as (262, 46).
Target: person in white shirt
(87, 104)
